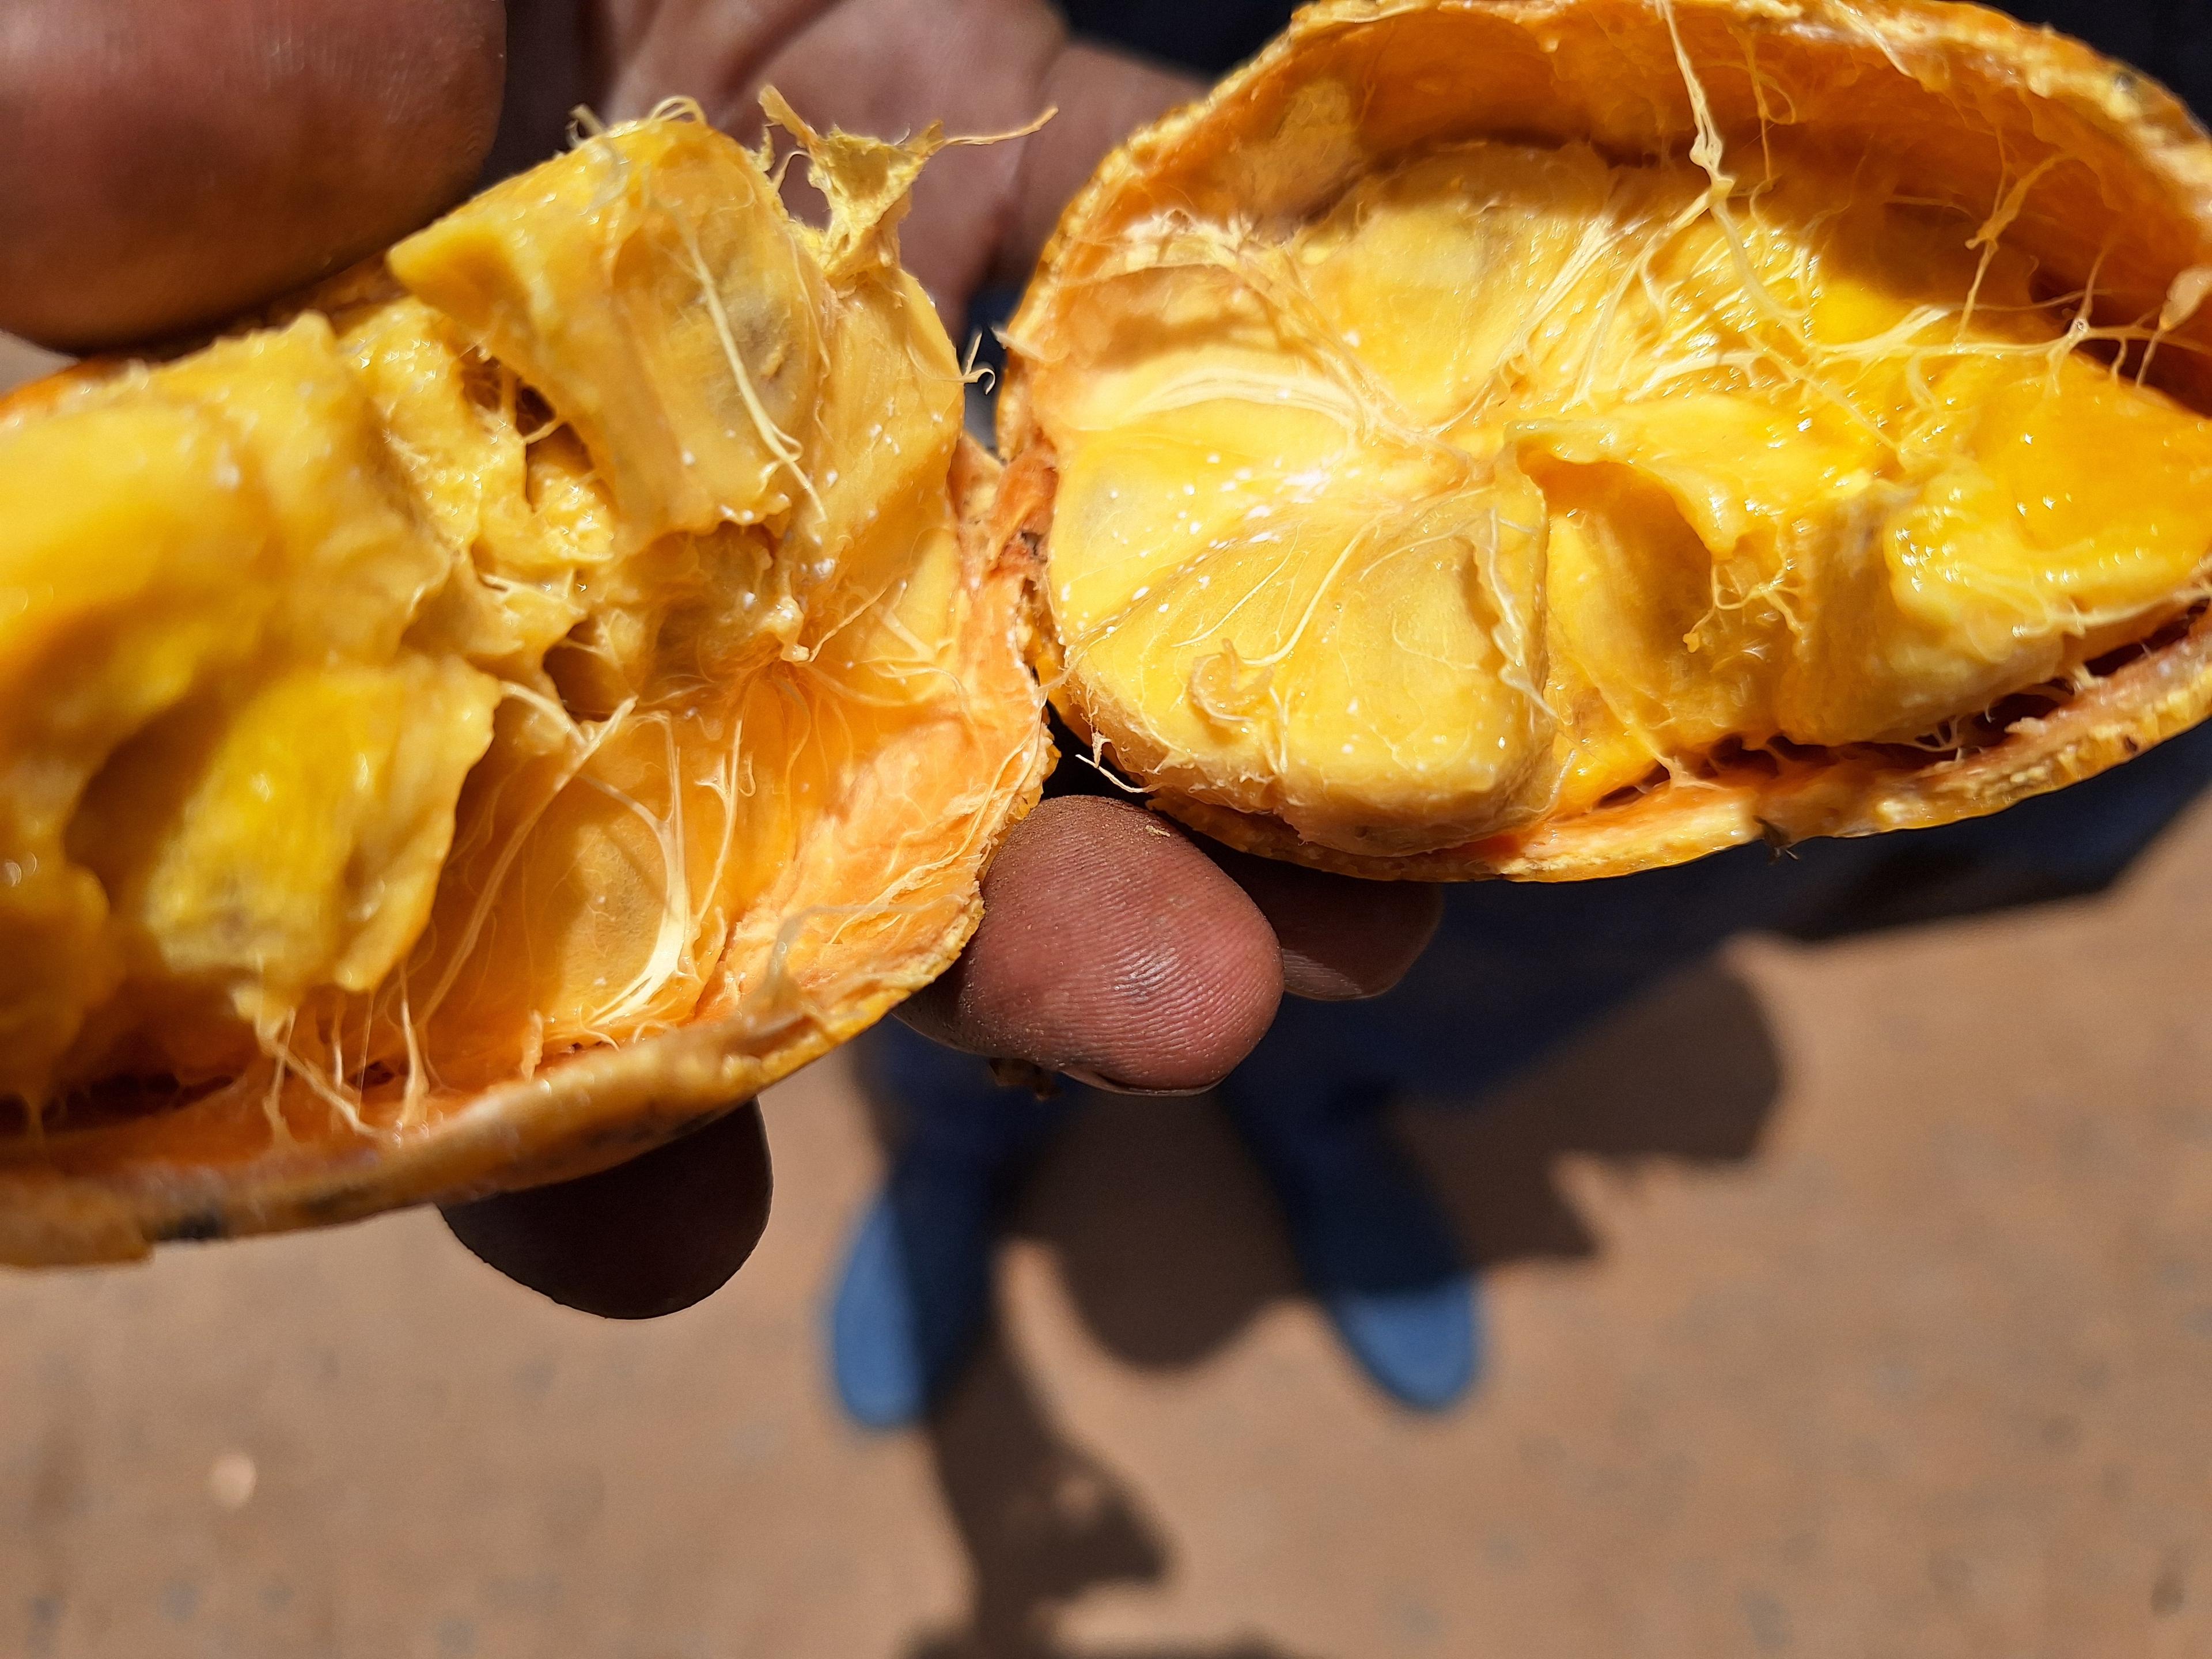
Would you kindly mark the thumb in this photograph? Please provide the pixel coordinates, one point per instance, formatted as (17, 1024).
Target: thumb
(168, 165)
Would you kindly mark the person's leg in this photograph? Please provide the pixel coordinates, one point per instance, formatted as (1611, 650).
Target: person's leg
(916, 1283)
(1374, 1248)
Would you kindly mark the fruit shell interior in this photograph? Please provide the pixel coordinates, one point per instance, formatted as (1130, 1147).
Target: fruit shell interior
(150, 1167)
(1977, 100)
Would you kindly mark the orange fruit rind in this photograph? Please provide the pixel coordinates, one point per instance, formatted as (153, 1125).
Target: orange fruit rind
(1554, 438)
(533, 692)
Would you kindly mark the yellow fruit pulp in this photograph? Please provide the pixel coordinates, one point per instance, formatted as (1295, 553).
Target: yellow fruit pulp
(1519, 474)
(439, 682)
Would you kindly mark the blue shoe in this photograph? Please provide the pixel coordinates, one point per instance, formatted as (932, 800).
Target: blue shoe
(1375, 1252)
(916, 1284)
(914, 1291)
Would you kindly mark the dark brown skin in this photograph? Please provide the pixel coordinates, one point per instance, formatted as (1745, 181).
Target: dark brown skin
(172, 165)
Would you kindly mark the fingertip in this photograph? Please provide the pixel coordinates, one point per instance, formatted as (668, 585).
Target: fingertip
(1342, 939)
(646, 1237)
(1113, 949)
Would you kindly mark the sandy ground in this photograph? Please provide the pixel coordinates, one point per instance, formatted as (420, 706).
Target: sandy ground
(20, 361)
(1848, 1299)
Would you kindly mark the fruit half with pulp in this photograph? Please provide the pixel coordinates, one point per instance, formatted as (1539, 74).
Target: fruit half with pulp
(533, 693)
(1555, 438)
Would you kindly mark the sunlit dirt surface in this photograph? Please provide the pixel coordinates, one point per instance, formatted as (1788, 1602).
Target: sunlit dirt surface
(1880, 1328)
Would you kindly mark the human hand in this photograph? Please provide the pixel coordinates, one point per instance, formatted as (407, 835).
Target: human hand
(170, 166)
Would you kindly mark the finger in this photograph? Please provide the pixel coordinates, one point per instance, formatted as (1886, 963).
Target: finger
(169, 164)
(1111, 949)
(645, 1238)
(890, 67)
(1341, 939)
(885, 67)
(1102, 95)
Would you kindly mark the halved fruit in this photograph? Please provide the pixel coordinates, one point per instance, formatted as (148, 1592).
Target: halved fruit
(544, 688)
(567, 674)
(1553, 438)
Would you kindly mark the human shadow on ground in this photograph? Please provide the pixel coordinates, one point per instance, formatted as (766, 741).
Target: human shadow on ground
(1168, 1241)
(1044, 1522)
(1596, 1020)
